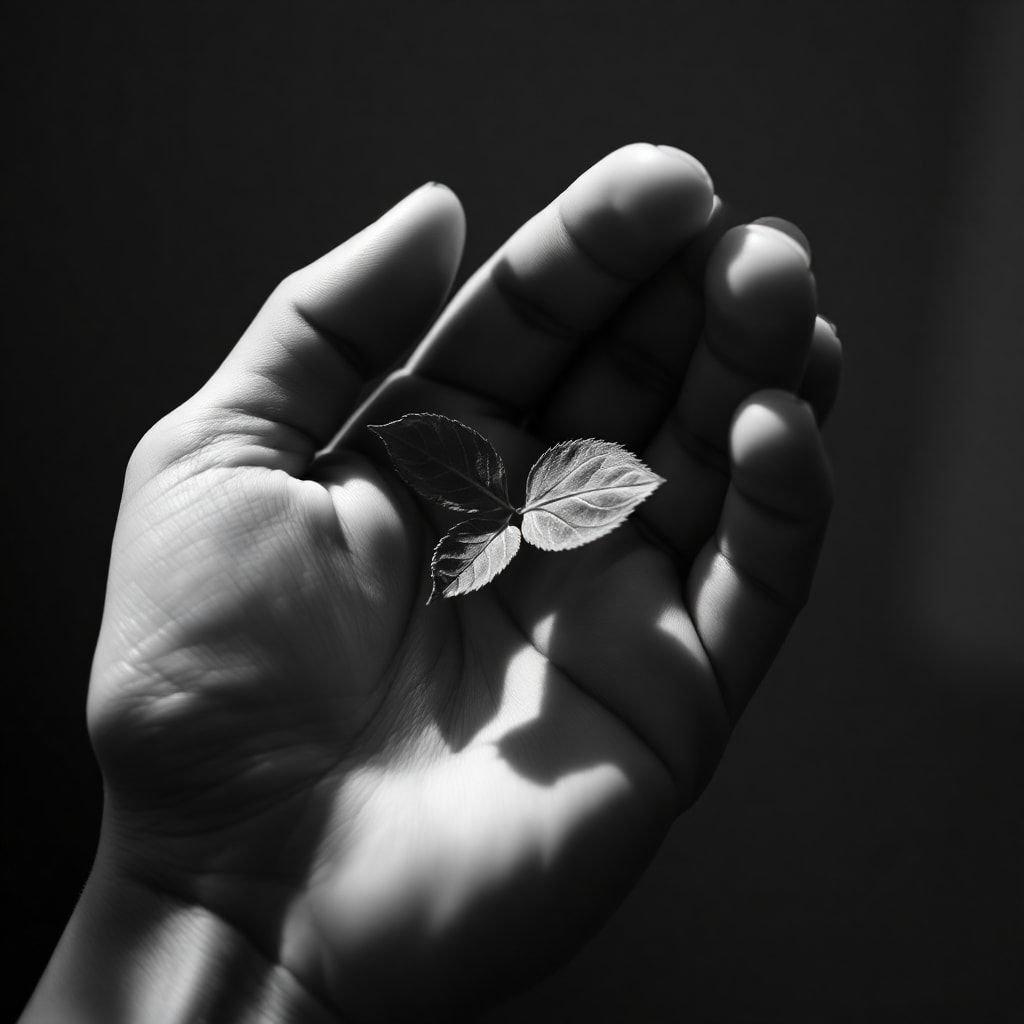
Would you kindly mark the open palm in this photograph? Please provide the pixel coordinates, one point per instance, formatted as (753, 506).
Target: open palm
(412, 808)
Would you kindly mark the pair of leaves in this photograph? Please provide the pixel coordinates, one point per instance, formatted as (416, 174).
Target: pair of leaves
(576, 492)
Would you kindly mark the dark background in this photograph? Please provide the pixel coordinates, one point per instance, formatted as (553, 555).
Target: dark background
(860, 854)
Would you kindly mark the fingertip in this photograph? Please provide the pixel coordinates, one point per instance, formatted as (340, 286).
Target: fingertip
(422, 235)
(758, 283)
(432, 212)
(754, 263)
(428, 192)
(790, 230)
(638, 206)
(766, 422)
(445, 201)
(680, 154)
(823, 372)
(777, 454)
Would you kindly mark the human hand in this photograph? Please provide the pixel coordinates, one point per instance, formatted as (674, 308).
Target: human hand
(403, 810)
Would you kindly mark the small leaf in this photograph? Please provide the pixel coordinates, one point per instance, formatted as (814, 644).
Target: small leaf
(446, 461)
(578, 491)
(471, 554)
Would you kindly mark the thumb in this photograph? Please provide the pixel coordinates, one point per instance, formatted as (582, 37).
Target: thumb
(328, 328)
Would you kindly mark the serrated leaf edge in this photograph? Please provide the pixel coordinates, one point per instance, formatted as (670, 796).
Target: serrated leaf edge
(538, 503)
(501, 501)
(435, 590)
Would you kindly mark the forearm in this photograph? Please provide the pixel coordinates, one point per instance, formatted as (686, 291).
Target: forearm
(130, 954)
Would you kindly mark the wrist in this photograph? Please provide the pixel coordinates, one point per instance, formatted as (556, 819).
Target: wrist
(131, 954)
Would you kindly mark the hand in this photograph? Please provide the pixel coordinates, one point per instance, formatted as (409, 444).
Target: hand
(408, 810)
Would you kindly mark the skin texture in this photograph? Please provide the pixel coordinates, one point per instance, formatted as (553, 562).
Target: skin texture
(409, 811)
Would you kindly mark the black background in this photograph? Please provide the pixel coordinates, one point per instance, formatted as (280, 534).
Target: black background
(860, 854)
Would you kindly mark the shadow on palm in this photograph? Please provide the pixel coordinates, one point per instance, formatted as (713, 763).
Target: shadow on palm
(606, 625)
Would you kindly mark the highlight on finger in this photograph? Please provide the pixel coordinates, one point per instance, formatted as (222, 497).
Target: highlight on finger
(819, 386)
(752, 578)
(759, 314)
(787, 227)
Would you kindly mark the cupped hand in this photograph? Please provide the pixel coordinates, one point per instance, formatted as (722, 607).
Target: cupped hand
(414, 809)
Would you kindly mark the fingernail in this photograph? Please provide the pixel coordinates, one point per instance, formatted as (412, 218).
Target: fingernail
(790, 230)
(682, 154)
(832, 324)
(425, 187)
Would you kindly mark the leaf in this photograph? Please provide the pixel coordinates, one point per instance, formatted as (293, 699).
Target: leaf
(578, 491)
(471, 554)
(446, 461)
